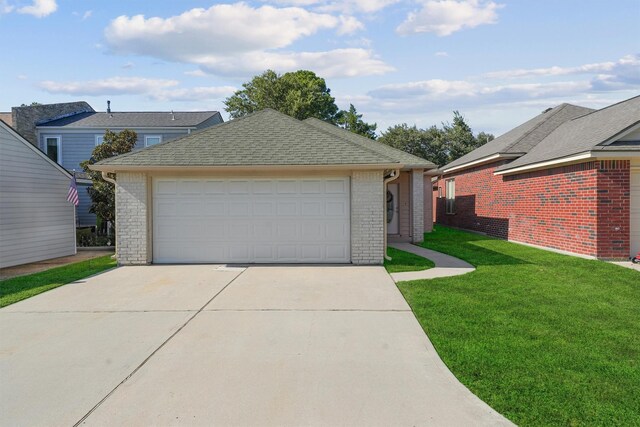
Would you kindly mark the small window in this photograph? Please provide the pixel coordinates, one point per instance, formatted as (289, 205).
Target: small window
(99, 139)
(150, 140)
(52, 148)
(450, 201)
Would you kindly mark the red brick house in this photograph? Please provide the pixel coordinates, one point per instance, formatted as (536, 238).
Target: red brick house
(568, 179)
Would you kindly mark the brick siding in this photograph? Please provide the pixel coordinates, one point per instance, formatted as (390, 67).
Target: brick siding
(132, 239)
(367, 204)
(582, 208)
(417, 188)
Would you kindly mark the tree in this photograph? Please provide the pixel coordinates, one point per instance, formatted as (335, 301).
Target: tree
(103, 200)
(300, 94)
(33, 104)
(352, 121)
(440, 146)
(425, 143)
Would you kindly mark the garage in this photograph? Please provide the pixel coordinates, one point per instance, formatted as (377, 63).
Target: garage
(251, 220)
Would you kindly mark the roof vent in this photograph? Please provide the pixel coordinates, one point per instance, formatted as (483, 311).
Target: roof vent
(173, 117)
(108, 106)
(547, 110)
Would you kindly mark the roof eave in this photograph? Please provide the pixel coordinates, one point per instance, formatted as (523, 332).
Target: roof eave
(483, 160)
(240, 168)
(572, 159)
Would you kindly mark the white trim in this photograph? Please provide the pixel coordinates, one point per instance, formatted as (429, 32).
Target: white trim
(59, 144)
(114, 129)
(593, 155)
(34, 148)
(146, 138)
(99, 136)
(485, 159)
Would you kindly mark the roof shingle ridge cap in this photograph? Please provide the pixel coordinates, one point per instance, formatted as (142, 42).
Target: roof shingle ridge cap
(593, 111)
(553, 112)
(345, 139)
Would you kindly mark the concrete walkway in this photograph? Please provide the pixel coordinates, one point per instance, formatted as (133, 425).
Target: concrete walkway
(446, 265)
(201, 345)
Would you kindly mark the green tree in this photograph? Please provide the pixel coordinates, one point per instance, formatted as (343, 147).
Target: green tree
(352, 121)
(300, 94)
(438, 145)
(103, 200)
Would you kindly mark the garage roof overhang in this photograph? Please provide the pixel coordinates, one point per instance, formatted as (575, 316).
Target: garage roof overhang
(241, 168)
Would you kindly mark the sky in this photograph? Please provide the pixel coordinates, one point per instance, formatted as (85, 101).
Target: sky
(398, 61)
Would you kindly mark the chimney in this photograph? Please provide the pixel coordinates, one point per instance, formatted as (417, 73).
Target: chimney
(108, 106)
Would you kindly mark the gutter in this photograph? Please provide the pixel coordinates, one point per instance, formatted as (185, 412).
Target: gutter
(247, 168)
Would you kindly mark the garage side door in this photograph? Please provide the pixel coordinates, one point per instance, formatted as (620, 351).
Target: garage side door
(251, 220)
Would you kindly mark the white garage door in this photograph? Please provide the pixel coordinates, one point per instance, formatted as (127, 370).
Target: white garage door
(635, 209)
(251, 220)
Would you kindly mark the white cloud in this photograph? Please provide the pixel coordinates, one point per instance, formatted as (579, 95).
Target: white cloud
(443, 54)
(237, 40)
(22, 77)
(221, 29)
(154, 89)
(349, 62)
(108, 86)
(128, 65)
(202, 93)
(196, 73)
(346, 6)
(39, 8)
(445, 17)
(5, 7)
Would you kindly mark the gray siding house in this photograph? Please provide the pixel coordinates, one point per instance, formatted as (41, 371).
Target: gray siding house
(70, 140)
(36, 221)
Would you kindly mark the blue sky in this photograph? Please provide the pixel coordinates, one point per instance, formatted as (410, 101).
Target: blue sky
(415, 61)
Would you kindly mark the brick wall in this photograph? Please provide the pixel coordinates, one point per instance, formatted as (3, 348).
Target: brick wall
(428, 204)
(417, 188)
(367, 204)
(582, 208)
(132, 239)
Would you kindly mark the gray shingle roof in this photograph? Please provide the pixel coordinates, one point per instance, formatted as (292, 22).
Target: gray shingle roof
(523, 138)
(409, 160)
(585, 133)
(132, 119)
(265, 138)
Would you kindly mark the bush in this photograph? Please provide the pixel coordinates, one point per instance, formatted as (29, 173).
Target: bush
(87, 237)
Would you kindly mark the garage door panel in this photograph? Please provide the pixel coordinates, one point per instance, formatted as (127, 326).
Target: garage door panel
(251, 220)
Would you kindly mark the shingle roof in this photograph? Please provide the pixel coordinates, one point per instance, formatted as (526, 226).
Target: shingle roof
(163, 119)
(523, 138)
(409, 160)
(585, 133)
(265, 138)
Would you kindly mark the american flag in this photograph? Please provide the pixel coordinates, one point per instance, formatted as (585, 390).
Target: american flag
(72, 195)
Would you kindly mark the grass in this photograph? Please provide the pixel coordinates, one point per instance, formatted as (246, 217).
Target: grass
(23, 287)
(406, 261)
(545, 339)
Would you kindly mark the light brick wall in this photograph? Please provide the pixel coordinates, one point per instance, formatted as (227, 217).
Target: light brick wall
(131, 219)
(428, 204)
(417, 205)
(367, 216)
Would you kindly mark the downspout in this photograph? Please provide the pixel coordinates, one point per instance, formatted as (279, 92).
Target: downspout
(112, 181)
(392, 177)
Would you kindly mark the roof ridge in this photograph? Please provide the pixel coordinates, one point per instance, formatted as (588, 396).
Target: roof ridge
(553, 112)
(343, 138)
(604, 108)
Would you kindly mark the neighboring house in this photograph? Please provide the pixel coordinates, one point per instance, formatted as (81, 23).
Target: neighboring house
(6, 117)
(265, 188)
(36, 220)
(568, 179)
(70, 140)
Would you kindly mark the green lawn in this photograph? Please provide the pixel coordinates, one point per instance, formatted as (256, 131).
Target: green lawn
(23, 287)
(543, 338)
(406, 261)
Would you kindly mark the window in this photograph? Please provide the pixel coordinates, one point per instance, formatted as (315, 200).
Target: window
(450, 201)
(99, 139)
(150, 140)
(52, 148)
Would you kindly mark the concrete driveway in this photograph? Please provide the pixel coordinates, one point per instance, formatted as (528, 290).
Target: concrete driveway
(203, 345)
